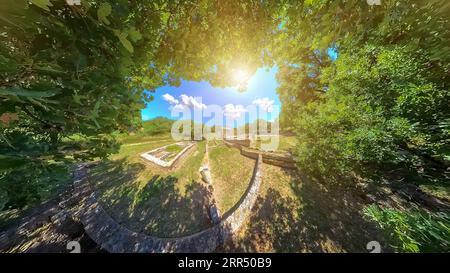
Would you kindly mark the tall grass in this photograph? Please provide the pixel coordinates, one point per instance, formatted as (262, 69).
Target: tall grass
(413, 230)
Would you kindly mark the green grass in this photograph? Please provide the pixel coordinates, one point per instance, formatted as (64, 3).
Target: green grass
(231, 174)
(133, 152)
(285, 143)
(174, 148)
(146, 198)
(138, 138)
(441, 190)
(413, 230)
(294, 214)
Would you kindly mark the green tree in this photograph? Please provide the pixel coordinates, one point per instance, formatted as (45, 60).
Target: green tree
(73, 76)
(387, 92)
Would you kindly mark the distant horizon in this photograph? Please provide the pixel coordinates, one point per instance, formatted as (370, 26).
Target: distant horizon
(161, 117)
(261, 88)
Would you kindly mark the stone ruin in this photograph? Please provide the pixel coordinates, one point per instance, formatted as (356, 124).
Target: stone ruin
(164, 158)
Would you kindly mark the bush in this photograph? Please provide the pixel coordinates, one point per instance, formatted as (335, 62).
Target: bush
(413, 230)
(31, 183)
(378, 103)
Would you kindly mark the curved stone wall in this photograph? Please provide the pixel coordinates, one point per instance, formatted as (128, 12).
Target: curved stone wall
(114, 237)
(284, 160)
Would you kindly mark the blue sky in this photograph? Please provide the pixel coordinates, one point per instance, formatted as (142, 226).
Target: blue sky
(261, 85)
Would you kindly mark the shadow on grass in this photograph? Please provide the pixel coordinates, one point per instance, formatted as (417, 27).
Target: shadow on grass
(320, 219)
(425, 184)
(158, 208)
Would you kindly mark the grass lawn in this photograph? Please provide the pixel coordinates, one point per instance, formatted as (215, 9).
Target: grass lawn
(133, 152)
(174, 150)
(286, 143)
(137, 138)
(146, 198)
(292, 214)
(231, 174)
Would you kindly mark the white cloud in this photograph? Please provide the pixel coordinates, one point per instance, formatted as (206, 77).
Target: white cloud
(233, 111)
(184, 102)
(170, 99)
(191, 102)
(265, 104)
(178, 107)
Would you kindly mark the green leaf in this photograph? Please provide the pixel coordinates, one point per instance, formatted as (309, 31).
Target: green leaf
(123, 39)
(18, 91)
(49, 71)
(7, 161)
(104, 11)
(43, 4)
(77, 98)
(134, 34)
(7, 64)
(96, 107)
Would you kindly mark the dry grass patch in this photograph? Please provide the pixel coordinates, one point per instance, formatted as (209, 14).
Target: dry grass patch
(293, 214)
(231, 174)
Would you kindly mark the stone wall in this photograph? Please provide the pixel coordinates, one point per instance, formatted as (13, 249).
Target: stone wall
(162, 163)
(48, 227)
(284, 160)
(114, 237)
(81, 206)
(240, 142)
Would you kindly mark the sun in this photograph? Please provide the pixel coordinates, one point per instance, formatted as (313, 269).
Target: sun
(240, 76)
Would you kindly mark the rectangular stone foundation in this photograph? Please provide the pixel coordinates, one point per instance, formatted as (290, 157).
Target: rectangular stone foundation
(150, 155)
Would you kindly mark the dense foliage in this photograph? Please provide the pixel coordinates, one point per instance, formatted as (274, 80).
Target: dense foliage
(71, 75)
(414, 230)
(383, 100)
(382, 104)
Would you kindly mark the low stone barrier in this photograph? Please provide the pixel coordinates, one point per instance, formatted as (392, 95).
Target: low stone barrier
(240, 142)
(114, 237)
(284, 160)
(166, 164)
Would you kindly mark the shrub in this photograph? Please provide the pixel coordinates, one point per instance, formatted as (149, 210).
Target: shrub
(413, 230)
